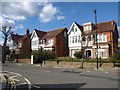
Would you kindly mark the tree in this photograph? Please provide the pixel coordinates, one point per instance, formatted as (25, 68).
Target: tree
(87, 39)
(6, 32)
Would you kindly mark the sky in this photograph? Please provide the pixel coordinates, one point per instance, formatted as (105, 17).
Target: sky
(48, 16)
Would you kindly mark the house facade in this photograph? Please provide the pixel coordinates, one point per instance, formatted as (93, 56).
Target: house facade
(74, 38)
(107, 39)
(20, 42)
(55, 40)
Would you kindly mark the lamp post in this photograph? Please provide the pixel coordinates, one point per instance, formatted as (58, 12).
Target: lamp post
(96, 37)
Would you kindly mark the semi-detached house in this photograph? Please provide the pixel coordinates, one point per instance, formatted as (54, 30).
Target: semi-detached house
(55, 40)
(107, 39)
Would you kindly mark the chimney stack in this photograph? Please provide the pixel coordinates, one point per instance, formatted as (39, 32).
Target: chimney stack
(27, 32)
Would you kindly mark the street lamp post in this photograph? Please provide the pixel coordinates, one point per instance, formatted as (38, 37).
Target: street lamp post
(96, 37)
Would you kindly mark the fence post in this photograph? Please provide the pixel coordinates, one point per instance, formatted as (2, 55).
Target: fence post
(32, 57)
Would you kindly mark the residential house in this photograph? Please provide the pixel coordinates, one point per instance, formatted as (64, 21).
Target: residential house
(55, 40)
(74, 38)
(21, 42)
(107, 36)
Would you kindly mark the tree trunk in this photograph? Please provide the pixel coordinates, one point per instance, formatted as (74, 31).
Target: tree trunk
(4, 50)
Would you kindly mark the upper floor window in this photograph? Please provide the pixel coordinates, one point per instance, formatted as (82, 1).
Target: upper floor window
(75, 39)
(75, 29)
(87, 27)
(102, 37)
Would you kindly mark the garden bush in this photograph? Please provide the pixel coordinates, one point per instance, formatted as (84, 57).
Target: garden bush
(42, 56)
(78, 54)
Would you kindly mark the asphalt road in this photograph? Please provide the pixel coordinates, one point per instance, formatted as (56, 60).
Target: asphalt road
(32, 77)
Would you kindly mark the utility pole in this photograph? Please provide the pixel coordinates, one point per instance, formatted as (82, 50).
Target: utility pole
(95, 28)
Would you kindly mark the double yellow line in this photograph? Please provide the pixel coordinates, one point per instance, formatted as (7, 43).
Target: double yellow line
(10, 81)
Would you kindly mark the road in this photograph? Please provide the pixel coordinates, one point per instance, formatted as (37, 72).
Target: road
(35, 76)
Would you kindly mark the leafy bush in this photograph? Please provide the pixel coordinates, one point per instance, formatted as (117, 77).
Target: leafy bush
(44, 55)
(115, 58)
(23, 55)
(78, 54)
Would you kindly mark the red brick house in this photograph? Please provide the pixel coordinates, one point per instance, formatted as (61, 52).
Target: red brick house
(107, 35)
(55, 40)
(22, 42)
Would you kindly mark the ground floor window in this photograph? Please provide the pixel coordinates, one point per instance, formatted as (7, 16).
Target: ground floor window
(103, 52)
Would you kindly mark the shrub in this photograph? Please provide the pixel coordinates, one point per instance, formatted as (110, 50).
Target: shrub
(44, 55)
(78, 54)
(115, 58)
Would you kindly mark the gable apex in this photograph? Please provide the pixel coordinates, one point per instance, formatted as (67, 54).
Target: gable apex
(75, 24)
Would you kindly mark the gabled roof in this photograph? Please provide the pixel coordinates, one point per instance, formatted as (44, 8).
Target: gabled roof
(16, 37)
(79, 26)
(53, 33)
(40, 33)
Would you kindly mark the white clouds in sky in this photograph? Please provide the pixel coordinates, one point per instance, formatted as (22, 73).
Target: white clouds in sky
(48, 13)
(6, 22)
(60, 17)
(17, 11)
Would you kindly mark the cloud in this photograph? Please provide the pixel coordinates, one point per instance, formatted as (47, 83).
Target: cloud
(48, 13)
(20, 26)
(60, 17)
(14, 17)
(19, 11)
(6, 22)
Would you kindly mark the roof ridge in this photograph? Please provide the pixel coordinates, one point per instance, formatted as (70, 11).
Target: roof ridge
(107, 22)
(56, 29)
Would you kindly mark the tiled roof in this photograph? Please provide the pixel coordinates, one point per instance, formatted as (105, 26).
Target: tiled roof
(40, 33)
(53, 33)
(16, 37)
(106, 26)
(103, 27)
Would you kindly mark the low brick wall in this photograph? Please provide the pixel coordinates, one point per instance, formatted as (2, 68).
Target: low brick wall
(78, 64)
(24, 60)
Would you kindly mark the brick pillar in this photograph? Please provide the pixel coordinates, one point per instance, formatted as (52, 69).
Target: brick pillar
(107, 52)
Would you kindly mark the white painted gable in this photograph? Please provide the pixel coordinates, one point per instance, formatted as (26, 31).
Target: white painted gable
(73, 30)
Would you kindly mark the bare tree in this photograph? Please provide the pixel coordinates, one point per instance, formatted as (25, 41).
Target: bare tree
(6, 32)
(83, 48)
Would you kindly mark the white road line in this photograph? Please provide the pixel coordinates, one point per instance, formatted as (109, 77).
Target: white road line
(13, 73)
(20, 84)
(16, 80)
(29, 84)
(106, 72)
(35, 86)
(88, 71)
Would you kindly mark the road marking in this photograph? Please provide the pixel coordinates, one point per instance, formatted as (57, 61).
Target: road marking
(16, 80)
(19, 64)
(88, 71)
(29, 84)
(13, 73)
(20, 84)
(106, 72)
(35, 86)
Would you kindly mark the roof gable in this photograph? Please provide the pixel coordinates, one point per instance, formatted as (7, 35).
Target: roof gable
(39, 33)
(75, 24)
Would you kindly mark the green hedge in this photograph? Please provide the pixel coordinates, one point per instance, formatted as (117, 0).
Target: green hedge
(44, 55)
